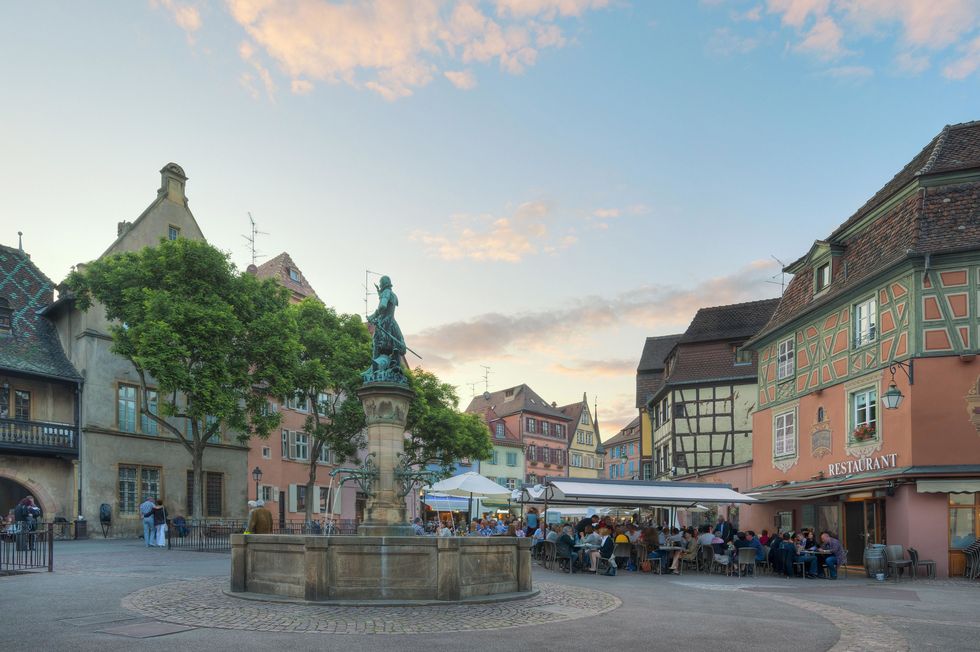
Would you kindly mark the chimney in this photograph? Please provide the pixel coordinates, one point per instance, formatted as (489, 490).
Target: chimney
(554, 404)
(122, 227)
(20, 240)
(172, 181)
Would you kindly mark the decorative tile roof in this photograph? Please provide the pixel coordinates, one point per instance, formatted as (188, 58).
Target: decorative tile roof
(731, 322)
(513, 400)
(942, 217)
(32, 347)
(279, 268)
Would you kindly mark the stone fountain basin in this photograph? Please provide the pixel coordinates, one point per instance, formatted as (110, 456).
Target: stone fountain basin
(380, 570)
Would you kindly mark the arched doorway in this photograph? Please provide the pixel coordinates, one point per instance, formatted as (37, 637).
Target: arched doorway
(11, 493)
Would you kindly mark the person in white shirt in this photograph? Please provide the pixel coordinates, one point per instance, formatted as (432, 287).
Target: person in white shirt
(633, 534)
(706, 537)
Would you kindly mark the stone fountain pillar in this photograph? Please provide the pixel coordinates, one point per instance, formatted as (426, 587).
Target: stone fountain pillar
(386, 412)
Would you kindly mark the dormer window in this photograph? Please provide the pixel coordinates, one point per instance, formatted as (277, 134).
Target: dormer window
(823, 277)
(293, 275)
(6, 317)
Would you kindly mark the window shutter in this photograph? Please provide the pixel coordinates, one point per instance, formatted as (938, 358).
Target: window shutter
(291, 503)
(316, 501)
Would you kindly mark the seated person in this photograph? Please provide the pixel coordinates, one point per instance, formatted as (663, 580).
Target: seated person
(565, 550)
(833, 546)
(760, 553)
(604, 551)
(592, 539)
(690, 552)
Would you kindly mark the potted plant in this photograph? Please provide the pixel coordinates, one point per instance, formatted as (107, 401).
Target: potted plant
(864, 432)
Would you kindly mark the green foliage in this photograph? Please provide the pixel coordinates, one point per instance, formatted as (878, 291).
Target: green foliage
(334, 348)
(440, 433)
(215, 342)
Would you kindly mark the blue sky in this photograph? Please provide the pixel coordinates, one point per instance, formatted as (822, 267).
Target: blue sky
(546, 181)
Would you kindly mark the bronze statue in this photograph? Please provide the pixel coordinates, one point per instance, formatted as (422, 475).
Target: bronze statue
(388, 346)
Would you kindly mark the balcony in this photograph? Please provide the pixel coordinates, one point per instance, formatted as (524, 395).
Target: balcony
(38, 438)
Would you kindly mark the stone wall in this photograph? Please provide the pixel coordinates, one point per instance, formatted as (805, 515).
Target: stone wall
(379, 568)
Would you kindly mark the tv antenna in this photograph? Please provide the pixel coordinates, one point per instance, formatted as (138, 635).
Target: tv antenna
(486, 378)
(252, 238)
(781, 274)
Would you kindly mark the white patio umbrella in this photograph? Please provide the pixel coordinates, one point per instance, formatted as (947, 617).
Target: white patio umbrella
(469, 484)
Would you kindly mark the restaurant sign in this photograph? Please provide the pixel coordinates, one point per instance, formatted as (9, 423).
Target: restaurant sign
(863, 465)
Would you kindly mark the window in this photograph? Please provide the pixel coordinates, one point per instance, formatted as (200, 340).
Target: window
(301, 498)
(742, 356)
(586, 419)
(820, 415)
(865, 322)
(499, 430)
(324, 454)
(632, 448)
(545, 426)
(511, 483)
(647, 471)
(135, 483)
(493, 457)
(784, 435)
(267, 494)
(22, 405)
(293, 275)
(664, 412)
(679, 410)
(285, 444)
(6, 316)
(532, 479)
(576, 459)
(147, 425)
(785, 362)
(324, 499)
(865, 415)
(302, 445)
(297, 402)
(532, 453)
(511, 459)
(823, 277)
(266, 453)
(126, 408)
(559, 430)
(531, 424)
(962, 520)
(173, 232)
(214, 495)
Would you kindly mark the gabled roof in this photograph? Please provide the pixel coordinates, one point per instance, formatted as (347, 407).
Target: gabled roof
(33, 346)
(655, 351)
(629, 432)
(573, 411)
(731, 322)
(513, 400)
(278, 268)
(650, 371)
(510, 437)
(919, 224)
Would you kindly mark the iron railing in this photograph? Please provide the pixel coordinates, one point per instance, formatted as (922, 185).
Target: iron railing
(38, 436)
(27, 550)
(215, 535)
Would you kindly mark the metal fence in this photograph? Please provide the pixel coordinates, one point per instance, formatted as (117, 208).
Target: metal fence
(25, 551)
(215, 535)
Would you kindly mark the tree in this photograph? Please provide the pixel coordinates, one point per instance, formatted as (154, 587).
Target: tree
(217, 343)
(334, 350)
(438, 432)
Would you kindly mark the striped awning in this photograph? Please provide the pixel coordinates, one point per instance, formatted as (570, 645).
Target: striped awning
(963, 485)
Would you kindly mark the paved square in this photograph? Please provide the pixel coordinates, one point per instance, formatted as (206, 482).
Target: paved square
(102, 590)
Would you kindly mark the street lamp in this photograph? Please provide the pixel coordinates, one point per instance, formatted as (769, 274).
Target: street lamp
(256, 475)
(892, 398)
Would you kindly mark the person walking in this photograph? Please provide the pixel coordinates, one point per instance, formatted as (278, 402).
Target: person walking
(146, 511)
(160, 524)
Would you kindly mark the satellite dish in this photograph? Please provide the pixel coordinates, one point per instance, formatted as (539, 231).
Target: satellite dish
(486, 396)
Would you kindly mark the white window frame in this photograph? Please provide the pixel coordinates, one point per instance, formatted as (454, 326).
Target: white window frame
(786, 358)
(820, 283)
(865, 325)
(266, 453)
(788, 432)
(302, 445)
(867, 408)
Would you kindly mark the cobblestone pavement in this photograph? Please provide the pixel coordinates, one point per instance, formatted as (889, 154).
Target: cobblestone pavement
(203, 603)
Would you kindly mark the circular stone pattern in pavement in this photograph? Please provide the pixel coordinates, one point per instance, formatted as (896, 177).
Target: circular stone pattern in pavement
(202, 603)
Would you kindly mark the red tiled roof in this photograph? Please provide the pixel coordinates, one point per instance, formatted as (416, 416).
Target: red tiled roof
(278, 268)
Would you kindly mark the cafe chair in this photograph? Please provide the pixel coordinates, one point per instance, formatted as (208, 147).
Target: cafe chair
(895, 561)
(928, 564)
(746, 560)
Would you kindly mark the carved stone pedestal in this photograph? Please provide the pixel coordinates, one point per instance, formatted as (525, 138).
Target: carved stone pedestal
(386, 410)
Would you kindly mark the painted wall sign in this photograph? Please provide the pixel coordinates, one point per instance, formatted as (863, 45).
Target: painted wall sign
(863, 465)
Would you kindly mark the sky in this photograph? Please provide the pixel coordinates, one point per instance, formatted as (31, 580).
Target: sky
(547, 182)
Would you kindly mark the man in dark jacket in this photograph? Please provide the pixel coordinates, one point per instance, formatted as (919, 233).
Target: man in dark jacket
(565, 548)
(724, 530)
(587, 521)
(26, 514)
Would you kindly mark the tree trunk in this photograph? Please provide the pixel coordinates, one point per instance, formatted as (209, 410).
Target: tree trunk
(197, 471)
(315, 449)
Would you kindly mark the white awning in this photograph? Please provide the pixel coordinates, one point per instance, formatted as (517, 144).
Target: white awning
(966, 485)
(638, 494)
